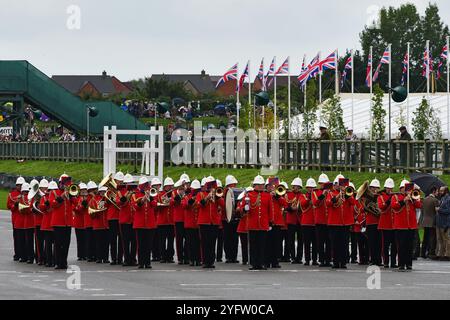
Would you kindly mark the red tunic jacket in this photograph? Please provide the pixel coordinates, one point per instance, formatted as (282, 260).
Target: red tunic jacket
(404, 212)
(210, 213)
(190, 212)
(293, 217)
(144, 212)
(46, 224)
(386, 221)
(164, 214)
(25, 218)
(307, 218)
(62, 212)
(80, 212)
(13, 198)
(320, 207)
(279, 206)
(340, 213)
(99, 220)
(260, 213)
(126, 210)
(178, 210)
(360, 217)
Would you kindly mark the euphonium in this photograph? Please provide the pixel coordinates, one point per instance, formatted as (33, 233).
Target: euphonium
(111, 198)
(281, 191)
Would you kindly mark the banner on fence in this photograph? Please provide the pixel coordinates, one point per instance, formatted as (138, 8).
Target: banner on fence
(6, 131)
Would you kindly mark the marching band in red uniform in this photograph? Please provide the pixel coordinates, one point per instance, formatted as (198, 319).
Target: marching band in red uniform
(131, 222)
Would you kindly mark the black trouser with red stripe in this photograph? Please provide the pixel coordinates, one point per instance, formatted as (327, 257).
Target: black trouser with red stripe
(354, 246)
(156, 251)
(257, 240)
(405, 241)
(90, 244)
(101, 244)
(339, 240)
(180, 239)
(166, 237)
(294, 231)
(230, 240)
(39, 245)
(115, 241)
(144, 244)
(15, 243)
(310, 244)
(208, 239)
(374, 237)
(244, 247)
(129, 243)
(219, 254)
(49, 248)
(363, 247)
(389, 248)
(62, 244)
(272, 247)
(26, 244)
(323, 244)
(193, 245)
(81, 243)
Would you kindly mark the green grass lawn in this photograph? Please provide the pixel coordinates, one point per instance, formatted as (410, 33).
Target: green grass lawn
(93, 171)
(3, 198)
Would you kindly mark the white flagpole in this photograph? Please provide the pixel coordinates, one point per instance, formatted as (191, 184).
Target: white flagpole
(407, 85)
(390, 86)
(371, 85)
(275, 126)
(448, 89)
(289, 97)
(353, 90)
(320, 80)
(237, 99)
(249, 86)
(428, 68)
(336, 83)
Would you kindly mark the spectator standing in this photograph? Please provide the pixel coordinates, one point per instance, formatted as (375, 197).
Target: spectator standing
(442, 226)
(428, 223)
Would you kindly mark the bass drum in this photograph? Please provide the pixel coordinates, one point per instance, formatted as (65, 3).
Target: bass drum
(231, 200)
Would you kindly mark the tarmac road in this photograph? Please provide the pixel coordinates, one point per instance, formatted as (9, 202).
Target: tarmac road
(429, 280)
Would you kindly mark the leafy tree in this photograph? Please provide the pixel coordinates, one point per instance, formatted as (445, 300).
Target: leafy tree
(309, 111)
(426, 122)
(378, 129)
(332, 115)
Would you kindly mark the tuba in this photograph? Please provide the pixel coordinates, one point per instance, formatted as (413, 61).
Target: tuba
(280, 191)
(219, 192)
(74, 191)
(415, 195)
(111, 194)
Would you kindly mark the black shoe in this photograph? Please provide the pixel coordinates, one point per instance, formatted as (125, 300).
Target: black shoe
(263, 268)
(219, 260)
(192, 264)
(148, 266)
(198, 264)
(306, 263)
(90, 260)
(98, 261)
(401, 269)
(315, 263)
(60, 268)
(244, 263)
(170, 261)
(141, 266)
(343, 266)
(80, 259)
(386, 266)
(30, 261)
(335, 266)
(162, 261)
(113, 263)
(22, 260)
(296, 262)
(276, 266)
(180, 263)
(106, 261)
(353, 261)
(409, 268)
(253, 268)
(394, 266)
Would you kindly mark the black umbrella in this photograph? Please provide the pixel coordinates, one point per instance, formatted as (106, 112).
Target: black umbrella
(426, 181)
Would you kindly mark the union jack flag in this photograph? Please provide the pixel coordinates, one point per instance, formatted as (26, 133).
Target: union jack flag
(405, 69)
(386, 58)
(329, 63)
(377, 73)
(231, 74)
(303, 70)
(368, 73)
(348, 66)
(284, 68)
(444, 54)
(261, 71)
(439, 70)
(270, 72)
(310, 71)
(243, 76)
(427, 64)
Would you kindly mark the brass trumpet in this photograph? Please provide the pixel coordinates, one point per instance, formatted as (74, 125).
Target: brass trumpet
(74, 191)
(415, 195)
(23, 207)
(280, 191)
(219, 192)
(349, 191)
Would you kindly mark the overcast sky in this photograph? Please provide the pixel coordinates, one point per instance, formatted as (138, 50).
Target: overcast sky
(135, 38)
